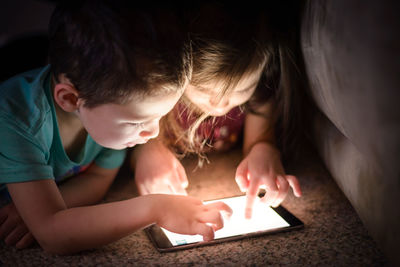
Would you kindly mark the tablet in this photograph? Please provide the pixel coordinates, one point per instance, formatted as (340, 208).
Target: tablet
(265, 220)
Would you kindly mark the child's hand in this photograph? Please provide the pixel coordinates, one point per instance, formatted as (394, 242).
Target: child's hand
(12, 229)
(262, 168)
(189, 216)
(158, 171)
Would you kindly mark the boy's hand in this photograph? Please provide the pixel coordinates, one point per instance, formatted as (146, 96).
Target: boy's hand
(262, 168)
(12, 229)
(189, 216)
(158, 171)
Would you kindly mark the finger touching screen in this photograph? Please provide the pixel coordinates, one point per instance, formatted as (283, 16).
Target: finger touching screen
(264, 218)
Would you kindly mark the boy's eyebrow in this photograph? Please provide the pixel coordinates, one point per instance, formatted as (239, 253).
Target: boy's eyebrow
(145, 118)
(142, 119)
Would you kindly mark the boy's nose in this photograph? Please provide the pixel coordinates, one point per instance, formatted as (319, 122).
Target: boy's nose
(150, 131)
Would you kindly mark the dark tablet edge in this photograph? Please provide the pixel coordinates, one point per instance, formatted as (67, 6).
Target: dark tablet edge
(162, 243)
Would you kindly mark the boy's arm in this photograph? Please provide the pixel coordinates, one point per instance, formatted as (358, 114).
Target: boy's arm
(62, 230)
(88, 187)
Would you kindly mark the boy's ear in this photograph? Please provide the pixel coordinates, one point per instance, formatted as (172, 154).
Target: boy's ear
(66, 95)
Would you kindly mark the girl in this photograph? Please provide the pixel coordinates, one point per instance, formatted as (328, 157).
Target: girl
(237, 84)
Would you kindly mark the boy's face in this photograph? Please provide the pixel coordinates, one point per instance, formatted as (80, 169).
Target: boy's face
(120, 126)
(207, 96)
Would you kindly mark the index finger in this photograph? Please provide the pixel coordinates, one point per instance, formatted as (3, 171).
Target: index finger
(220, 206)
(205, 230)
(251, 195)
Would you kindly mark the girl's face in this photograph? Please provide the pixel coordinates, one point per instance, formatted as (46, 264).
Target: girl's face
(120, 126)
(207, 96)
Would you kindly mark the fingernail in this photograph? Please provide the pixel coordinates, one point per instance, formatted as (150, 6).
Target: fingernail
(248, 214)
(274, 205)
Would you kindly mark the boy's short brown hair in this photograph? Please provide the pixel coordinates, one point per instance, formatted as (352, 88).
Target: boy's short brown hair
(111, 50)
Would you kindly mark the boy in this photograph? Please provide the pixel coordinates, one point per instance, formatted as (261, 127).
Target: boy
(114, 72)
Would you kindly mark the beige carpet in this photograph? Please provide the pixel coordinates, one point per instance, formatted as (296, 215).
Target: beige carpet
(333, 234)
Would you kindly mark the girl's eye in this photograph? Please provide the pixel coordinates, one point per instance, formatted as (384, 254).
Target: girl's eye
(203, 93)
(242, 92)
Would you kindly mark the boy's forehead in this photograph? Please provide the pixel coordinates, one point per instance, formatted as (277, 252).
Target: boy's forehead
(148, 106)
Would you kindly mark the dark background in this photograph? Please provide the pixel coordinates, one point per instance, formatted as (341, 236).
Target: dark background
(23, 35)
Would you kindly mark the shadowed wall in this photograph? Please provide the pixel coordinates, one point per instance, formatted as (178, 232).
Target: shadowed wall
(352, 55)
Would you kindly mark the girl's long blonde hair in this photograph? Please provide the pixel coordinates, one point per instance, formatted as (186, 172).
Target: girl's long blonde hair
(226, 45)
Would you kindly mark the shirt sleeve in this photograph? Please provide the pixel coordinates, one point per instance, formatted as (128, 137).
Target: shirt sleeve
(22, 157)
(110, 158)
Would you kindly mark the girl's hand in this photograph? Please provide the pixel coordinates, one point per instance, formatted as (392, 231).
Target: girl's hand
(12, 229)
(189, 216)
(158, 171)
(262, 168)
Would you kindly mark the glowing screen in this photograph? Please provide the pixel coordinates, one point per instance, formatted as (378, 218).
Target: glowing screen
(263, 218)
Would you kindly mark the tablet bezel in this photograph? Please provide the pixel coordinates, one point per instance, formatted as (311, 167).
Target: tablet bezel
(162, 243)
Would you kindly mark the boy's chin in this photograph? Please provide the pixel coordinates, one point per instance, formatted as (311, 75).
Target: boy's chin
(119, 147)
(131, 144)
(138, 142)
(126, 145)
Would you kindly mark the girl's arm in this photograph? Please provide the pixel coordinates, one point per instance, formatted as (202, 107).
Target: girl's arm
(259, 128)
(61, 230)
(163, 174)
(262, 166)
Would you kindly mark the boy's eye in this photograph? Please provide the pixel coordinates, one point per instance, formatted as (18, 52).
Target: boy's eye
(139, 125)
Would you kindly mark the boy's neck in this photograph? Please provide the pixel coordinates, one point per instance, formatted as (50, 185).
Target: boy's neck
(72, 133)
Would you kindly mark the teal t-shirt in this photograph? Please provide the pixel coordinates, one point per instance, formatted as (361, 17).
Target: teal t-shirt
(30, 143)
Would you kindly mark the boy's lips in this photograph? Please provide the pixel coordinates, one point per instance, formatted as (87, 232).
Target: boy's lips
(138, 142)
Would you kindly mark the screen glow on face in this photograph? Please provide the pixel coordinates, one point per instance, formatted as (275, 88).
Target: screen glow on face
(263, 218)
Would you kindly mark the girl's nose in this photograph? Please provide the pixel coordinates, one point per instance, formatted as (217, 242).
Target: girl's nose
(217, 102)
(150, 131)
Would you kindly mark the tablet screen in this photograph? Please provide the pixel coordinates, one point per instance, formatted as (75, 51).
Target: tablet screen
(264, 218)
